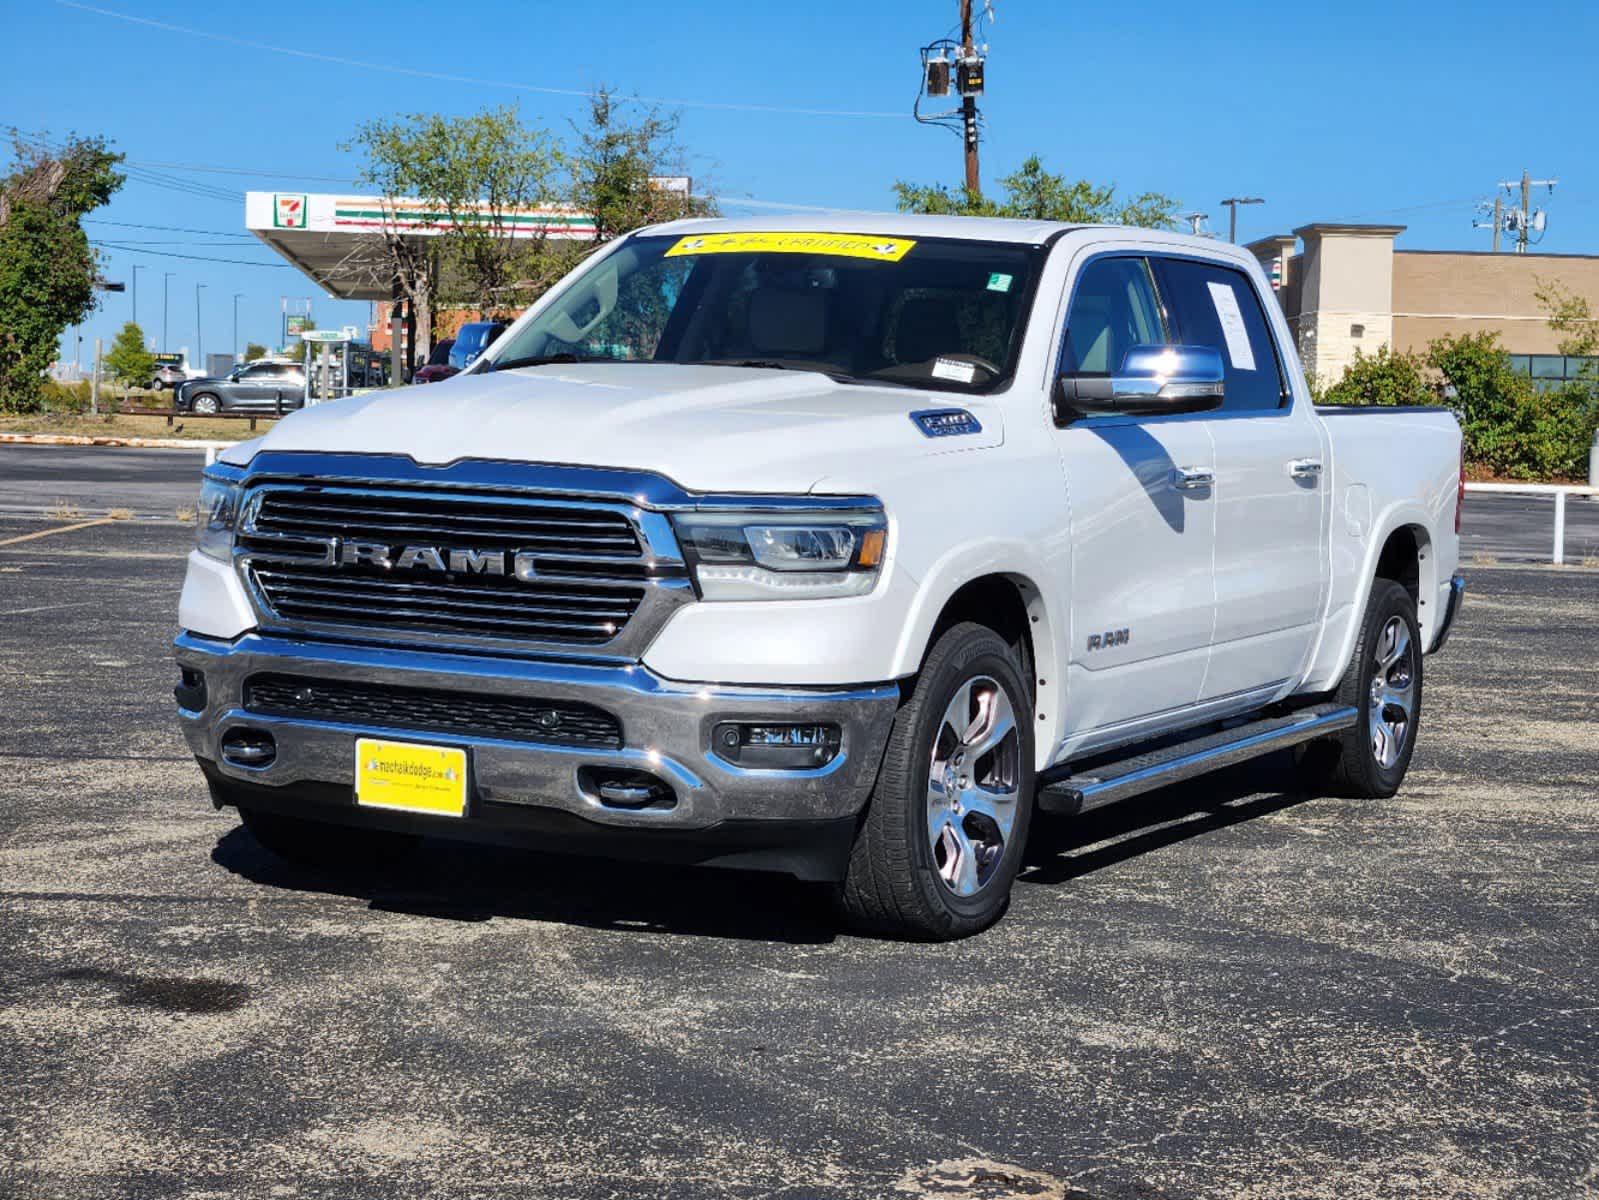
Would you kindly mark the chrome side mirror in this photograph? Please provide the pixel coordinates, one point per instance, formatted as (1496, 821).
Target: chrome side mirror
(1152, 380)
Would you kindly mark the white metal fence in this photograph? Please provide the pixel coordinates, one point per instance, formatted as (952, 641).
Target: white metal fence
(1558, 490)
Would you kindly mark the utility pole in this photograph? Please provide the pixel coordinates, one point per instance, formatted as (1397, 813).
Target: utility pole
(199, 337)
(136, 271)
(165, 277)
(1232, 203)
(1523, 218)
(969, 102)
(1196, 223)
(1499, 218)
(236, 296)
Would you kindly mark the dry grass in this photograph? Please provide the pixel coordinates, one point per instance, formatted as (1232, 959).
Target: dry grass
(1590, 559)
(208, 429)
(1485, 560)
(64, 510)
(120, 514)
(186, 515)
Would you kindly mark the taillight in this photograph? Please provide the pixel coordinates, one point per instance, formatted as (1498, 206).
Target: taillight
(1460, 493)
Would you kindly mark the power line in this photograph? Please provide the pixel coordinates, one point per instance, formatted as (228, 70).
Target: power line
(167, 228)
(441, 77)
(129, 248)
(262, 172)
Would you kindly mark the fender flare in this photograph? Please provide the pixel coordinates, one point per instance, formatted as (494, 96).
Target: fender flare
(1048, 618)
(1398, 515)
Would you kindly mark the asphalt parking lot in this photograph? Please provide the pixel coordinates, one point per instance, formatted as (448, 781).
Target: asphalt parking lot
(1222, 990)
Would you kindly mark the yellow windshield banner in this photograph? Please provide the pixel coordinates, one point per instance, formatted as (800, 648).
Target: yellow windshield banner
(843, 245)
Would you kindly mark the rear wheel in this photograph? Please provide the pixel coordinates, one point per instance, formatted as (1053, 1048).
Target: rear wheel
(942, 838)
(1383, 683)
(324, 845)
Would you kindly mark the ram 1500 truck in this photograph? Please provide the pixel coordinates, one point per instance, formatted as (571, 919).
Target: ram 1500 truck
(829, 548)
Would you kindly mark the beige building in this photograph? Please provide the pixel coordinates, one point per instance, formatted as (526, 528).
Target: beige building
(1349, 287)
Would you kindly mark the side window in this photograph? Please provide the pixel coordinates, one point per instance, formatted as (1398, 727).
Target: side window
(1113, 309)
(1212, 305)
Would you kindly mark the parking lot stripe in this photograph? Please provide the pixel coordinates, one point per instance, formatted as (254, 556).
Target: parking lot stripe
(28, 537)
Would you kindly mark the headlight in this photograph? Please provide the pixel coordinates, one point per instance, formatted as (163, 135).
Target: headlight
(217, 515)
(762, 556)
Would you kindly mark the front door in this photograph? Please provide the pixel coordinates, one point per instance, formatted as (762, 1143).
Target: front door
(1143, 599)
(1271, 553)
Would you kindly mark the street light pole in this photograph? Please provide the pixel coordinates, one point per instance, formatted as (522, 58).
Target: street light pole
(166, 345)
(199, 336)
(136, 271)
(236, 296)
(1232, 203)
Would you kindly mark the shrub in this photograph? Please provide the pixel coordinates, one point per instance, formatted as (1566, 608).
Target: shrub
(1511, 429)
(1382, 378)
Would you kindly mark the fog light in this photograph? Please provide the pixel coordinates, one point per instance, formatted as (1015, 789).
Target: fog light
(781, 747)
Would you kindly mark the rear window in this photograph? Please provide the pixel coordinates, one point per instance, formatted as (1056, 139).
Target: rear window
(1215, 306)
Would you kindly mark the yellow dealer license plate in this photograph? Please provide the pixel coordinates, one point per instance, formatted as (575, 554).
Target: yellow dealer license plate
(410, 778)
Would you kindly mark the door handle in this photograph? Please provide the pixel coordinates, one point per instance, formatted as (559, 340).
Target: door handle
(1193, 479)
(1305, 468)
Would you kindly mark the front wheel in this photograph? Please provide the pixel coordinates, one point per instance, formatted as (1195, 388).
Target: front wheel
(206, 405)
(1383, 683)
(943, 834)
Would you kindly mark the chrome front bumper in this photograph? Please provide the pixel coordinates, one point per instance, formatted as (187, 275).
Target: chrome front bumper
(666, 730)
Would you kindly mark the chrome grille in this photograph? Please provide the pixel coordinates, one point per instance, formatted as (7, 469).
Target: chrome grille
(588, 572)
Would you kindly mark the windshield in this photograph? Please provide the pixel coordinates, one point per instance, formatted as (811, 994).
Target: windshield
(927, 312)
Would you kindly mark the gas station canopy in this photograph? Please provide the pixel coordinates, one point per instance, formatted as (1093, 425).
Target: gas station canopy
(338, 240)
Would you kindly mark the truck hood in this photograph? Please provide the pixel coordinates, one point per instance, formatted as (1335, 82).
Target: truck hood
(706, 428)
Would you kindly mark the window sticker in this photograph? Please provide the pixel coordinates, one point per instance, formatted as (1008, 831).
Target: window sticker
(844, 245)
(999, 283)
(1239, 351)
(955, 372)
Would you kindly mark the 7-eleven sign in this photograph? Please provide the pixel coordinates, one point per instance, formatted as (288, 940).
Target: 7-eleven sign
(288, 212)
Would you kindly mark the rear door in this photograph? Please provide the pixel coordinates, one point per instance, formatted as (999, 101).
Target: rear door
(1271, 553)
(1143, 600)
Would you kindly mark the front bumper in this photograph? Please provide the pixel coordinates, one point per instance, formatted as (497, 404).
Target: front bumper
(666, 730)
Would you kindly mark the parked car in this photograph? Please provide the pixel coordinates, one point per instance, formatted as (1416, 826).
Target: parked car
(437, 368)
(472, 339)
(256, 387)
(835, 553)
(168, 375)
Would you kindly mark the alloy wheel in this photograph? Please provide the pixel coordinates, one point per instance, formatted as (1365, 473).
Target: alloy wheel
(1393, 692)
(973, 785)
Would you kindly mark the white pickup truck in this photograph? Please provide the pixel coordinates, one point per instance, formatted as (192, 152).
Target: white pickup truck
(833, 548)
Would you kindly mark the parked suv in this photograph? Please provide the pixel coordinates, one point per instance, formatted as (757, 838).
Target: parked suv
(254, 387)
(836, 552)
(471, 340)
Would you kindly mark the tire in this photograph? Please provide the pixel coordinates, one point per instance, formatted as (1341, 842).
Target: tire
(924, 869)
(1369, 760)
(205, 405)
(324, 845)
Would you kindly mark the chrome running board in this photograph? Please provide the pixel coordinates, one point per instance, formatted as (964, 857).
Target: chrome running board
(1106, 783)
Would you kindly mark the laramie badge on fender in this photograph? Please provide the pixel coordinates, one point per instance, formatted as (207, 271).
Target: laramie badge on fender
(1111, 637)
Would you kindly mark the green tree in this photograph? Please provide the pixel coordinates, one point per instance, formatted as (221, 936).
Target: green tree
(616, 153)
(1382, 378)
(1032, 193)
(1570, 316)
(47, 268)
(253, 351)
(477, 170)
(128, 360)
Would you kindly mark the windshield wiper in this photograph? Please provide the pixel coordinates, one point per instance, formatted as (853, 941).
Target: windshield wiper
(773, 364)
(536, 360)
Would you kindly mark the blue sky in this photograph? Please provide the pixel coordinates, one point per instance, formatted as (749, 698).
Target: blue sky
(1393, 111)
